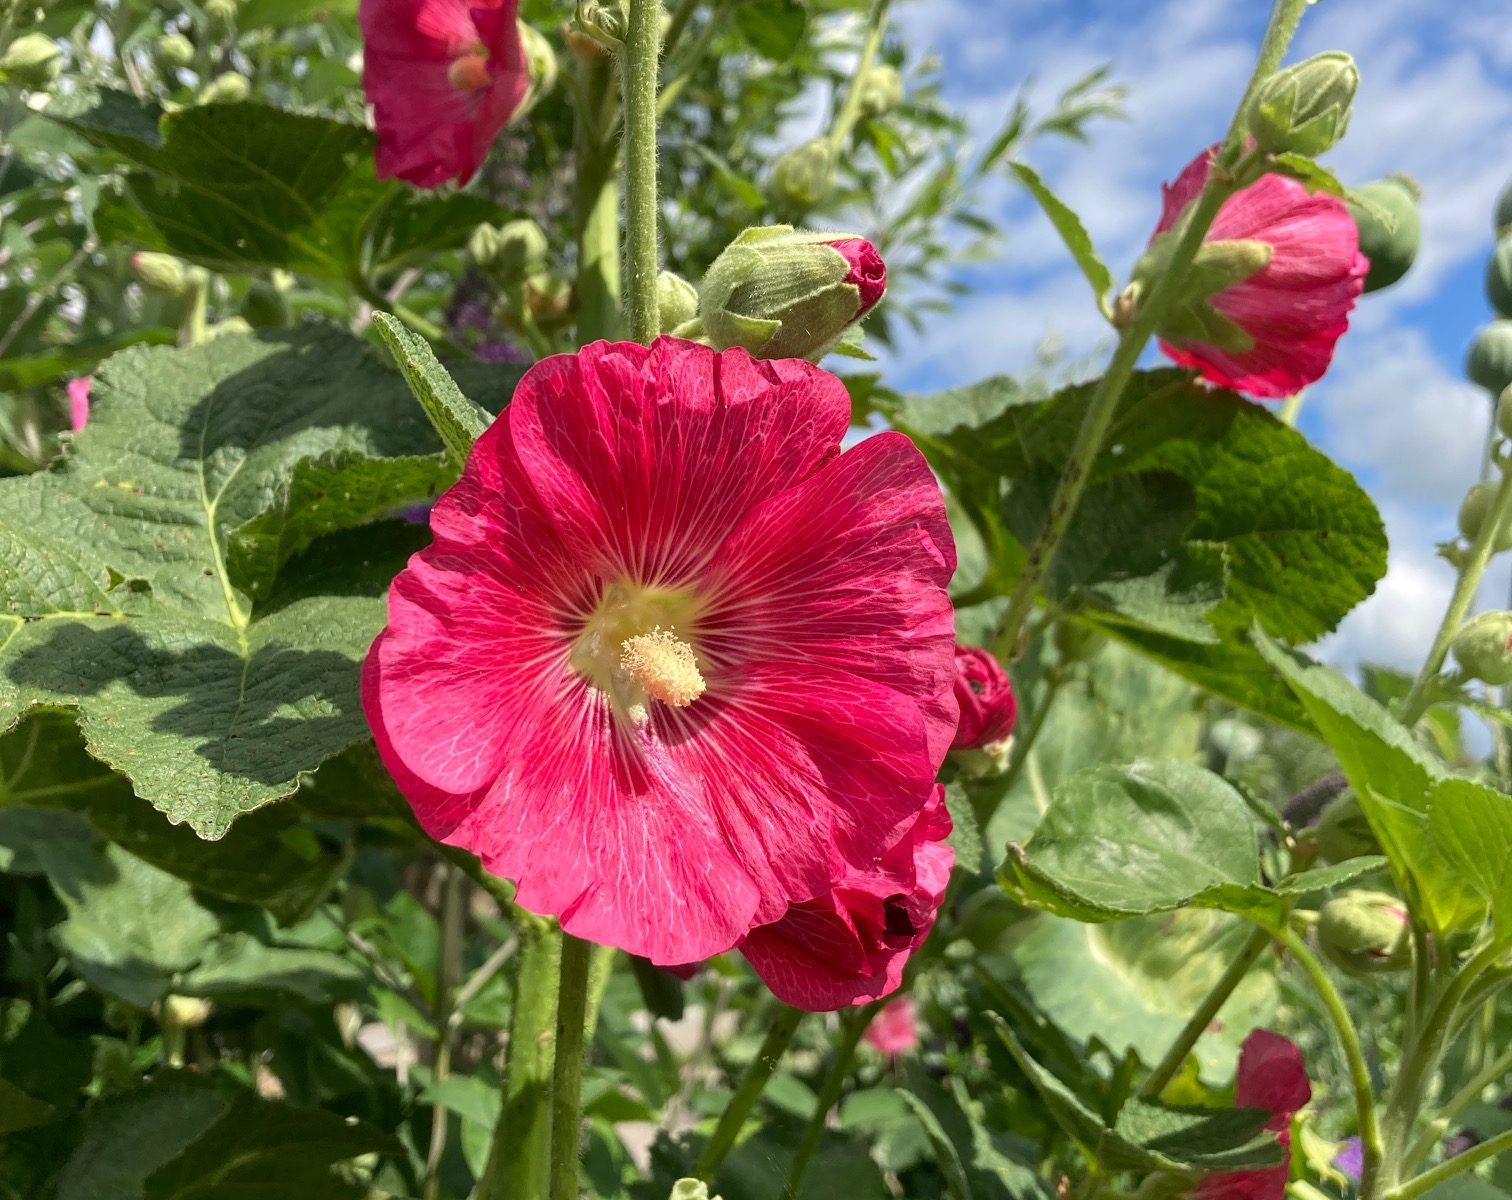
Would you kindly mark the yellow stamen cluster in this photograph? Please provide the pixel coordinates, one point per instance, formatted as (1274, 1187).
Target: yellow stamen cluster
(664, 666)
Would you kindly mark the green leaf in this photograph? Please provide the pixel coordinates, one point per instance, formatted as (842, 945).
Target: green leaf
(117, 594)
(966, 834)
(18, 372)
(455, 418)
(19, 1111)
(773, 27)
(1071, 231)
(1470, 824)
(1312, 176)
(241, 969)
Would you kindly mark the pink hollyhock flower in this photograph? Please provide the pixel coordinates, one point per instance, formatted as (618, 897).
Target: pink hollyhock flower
(673, 662)
(443, 77)
(1296, 307)
(985, 698)
(1271, 1076)
(895, 1030)
(78, 402)
(849, 945)
(868, 273)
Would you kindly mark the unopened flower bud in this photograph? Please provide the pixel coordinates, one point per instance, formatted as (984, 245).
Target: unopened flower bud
(161, 272)
(1365, 933)
(1076, 642)
(607, 22)
(229, 88)
(1483, 648)
(32, 61)
(173, 52)
(1304, 109)
(540, 62)
(510, 253)
(1391, 229)
(881, 90)
(1501, 216)
(1236, 741)
(1489, 362)
(265, 306)
(1499, 276)
(985, 698)
(803, 176)
(676, 300)
(690, 1189)
(1504, 412)
(1344, 832)
(1473, 513)
(185, 1012)
(548, 297)
(222, 15)
(784, 293)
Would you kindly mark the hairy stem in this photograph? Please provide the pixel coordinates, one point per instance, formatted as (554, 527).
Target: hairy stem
(1456, 1166)
(829, 1093)
(779, 1033)
(640, 67)
(1456, 1104)
(567, 1071)
(850, 108)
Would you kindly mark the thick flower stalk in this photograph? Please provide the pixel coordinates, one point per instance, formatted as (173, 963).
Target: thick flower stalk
(443, 77)
(674, 663)
(1271, 290)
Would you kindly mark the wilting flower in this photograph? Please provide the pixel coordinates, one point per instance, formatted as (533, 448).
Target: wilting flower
(1272, 332)
(985, 698)
(850, 945)
(78, 402)
(443, 77)
(1271, 1076)
(895, 1030)
(673, 662)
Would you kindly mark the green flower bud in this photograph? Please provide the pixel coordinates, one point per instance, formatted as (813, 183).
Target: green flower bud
(32, 61)
(540, 62)
(785, 293)
(1499, 276)
(690, 1189)
(1473, 513)
(1236, 741)
(162, 272)
(1365, 933)
(173, 52)
(229, 88)
(222, 15)
(1504, 412)
(548, 298)
(185, 1012)
(1489, 362)
(1501, 217)
(676, 300)
(880, 90)
(266, 307)
(803, 176)
(1076, 642)
(510, 253)
(1305, 108)
(1483, 648)
(607, 22)
(1391, 248)
(1343, 832)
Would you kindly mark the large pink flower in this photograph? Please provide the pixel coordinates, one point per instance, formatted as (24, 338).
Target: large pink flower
(673, 662)
(1271, 1076)
(443, 77)
(1297, 306)
(849, 945)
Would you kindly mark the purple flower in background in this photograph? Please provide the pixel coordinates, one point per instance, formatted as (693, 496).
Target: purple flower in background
(1351, 1158)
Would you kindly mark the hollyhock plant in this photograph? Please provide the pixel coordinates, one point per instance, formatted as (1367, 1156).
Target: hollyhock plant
(985, 697)
(849, 946)
(443, 77)
(1273, 1077)
(78, 402)
(895, 1030)
(1279, 325)
(673, 662)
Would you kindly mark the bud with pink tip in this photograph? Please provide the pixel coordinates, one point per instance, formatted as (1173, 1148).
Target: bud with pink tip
(985, 697)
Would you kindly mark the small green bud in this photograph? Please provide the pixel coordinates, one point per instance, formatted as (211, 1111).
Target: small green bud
(221, 15)
(881, 90)
(173, 52)
(676, 300)
(185, 1012)
(1365, 933)
(32, 61)
(229, 88)
(540, 62)
(1391, 247)
(1305, 108)
(1343, 832)
(1483, 648)
(1499, 276)
(690, 1189)
(607, 22)
(784, 293)
(1501, 217)
(511, 253)
(1504, 412)
(803, 176)
(1236, 741)
(548, 297)
(1473, 513)
(1489, 362)
(1076, 642)
(266, 307)
(162, 272)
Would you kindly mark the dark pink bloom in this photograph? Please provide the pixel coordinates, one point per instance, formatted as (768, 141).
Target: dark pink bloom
(849, 945)
(1297, 306)
(867, 271)
(78, 402)
(1271, 1076)
(985, 697)
(443, 77)
(895, 1030)
(673, 662)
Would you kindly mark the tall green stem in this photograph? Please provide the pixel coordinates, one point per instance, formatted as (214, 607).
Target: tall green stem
(598, 215)
(1456, 1166)
(779, 1033)
(1023, 741)
(639, 67)
(1497, 1070)
(829, 1094)
(1465, 587)
(567, 1071)
(448, 969)
(850, 108)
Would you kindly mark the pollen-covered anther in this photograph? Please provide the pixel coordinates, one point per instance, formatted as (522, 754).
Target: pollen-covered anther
(664, 666)
(469, 72)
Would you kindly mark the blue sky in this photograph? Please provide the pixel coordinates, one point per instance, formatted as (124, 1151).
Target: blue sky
(1435, 102)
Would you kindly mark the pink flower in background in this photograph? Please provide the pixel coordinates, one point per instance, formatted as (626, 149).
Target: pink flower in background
(78, 402)
(673, 662)
(985, 698)
(895, 1030)
(1271, 1076)
(443, 77)
(1296, 307)
(849, 946)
